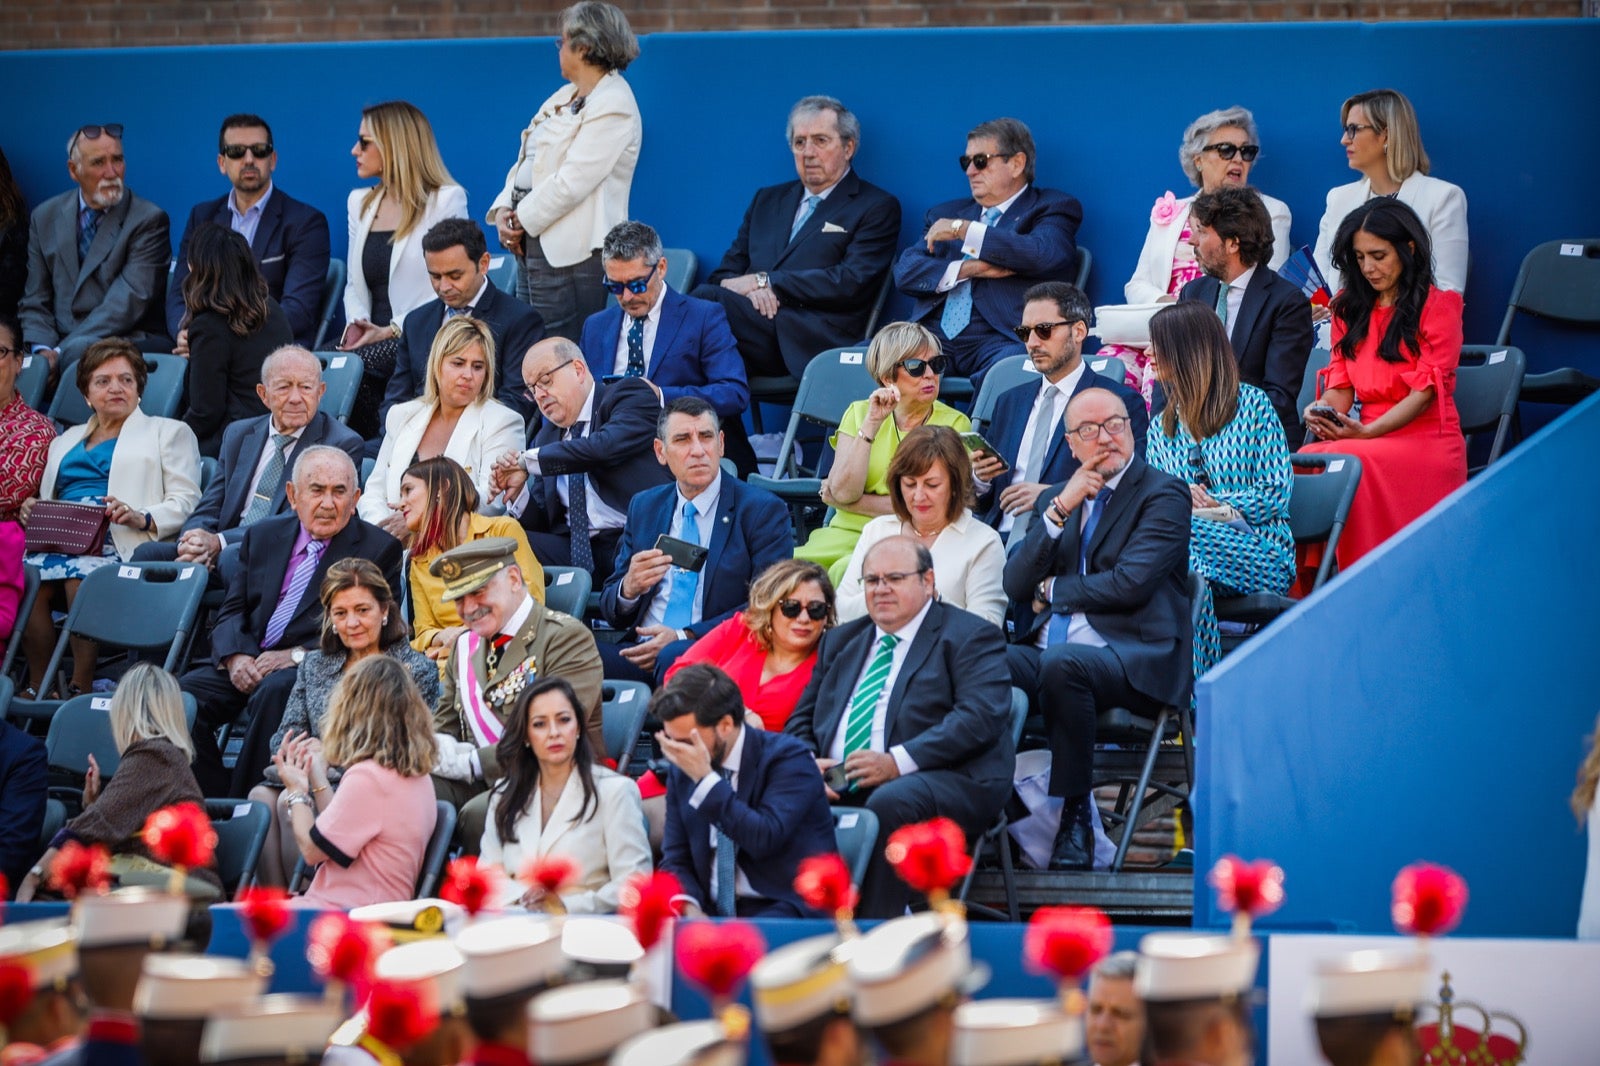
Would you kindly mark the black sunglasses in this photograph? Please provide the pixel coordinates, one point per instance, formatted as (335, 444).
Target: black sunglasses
(1197, 463)
(981, 160)
(637, 286)
(1043, 329)
(1247, 152)
(816, 610)
(918, 367)
(261, 149)
(93, 133)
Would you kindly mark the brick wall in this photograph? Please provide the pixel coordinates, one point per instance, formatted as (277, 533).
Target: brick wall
(74, 24)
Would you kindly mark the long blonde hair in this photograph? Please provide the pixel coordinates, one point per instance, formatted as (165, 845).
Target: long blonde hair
(412, 168)
(148, 705)
(375, 712)
(1588, 778)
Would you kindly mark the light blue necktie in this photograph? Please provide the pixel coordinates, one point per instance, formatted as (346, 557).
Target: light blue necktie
(680, 602)
(727, 872)
(958, 303)
(1059, 622)
(805, 213)
(1222, 301)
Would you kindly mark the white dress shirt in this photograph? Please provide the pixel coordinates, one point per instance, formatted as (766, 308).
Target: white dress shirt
(806, 194)
(601, 514)
(261, 466)
(1062, 390)
(1079, 631)
(246, 222)
(880, 713)
(705, 506)
(1236, 289)
(972, 243)
(652, 320)
(735, 758)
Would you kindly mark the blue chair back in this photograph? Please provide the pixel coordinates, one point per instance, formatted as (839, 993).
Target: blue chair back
(1005, 375)
(503, 273)
(162, 396)
(341, 373)
(566, 589)
(623, 705)
(32, 380)
(855, 834)
(683, 266)
(241, 826)
(328, 305)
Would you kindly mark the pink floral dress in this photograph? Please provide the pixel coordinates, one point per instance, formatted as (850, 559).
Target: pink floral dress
(1139, 372)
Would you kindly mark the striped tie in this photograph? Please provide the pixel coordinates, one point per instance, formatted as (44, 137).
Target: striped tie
(305, 568)
(958, 302)
(271, 481)
(864, 705)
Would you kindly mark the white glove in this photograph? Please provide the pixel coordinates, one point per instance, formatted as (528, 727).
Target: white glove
(457, 759)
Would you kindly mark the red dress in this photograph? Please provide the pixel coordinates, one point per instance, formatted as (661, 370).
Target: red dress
(1406, 472)
(732, 647)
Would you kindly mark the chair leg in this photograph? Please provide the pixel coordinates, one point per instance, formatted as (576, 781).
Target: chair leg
(1008, 874)
(1139, 790)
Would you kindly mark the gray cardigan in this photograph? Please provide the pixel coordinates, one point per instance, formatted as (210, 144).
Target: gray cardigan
(318, 673)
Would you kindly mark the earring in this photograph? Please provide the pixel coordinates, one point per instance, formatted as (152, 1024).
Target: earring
(385, 620)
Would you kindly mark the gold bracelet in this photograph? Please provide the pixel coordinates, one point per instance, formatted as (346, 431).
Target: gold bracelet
(323, 788)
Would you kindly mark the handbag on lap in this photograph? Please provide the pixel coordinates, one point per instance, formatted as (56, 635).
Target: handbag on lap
(67, 528)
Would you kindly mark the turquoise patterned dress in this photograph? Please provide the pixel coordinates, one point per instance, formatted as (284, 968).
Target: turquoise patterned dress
(1247, 464)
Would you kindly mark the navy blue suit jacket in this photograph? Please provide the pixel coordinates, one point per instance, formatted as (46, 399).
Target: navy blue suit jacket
(226, 497)
(24, 785)
(827, 278)
(749, 534)
(778, 816)
(1036, 238)
(516, 327)
(1010, 419)
(694, 352)
(291, 248)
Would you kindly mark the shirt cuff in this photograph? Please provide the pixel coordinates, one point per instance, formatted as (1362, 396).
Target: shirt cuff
(1052, 530)
(222, 540)
(530, 460)
(972, 240)
(515, 507)
(703, 789)
(950, 279)
(903, 760)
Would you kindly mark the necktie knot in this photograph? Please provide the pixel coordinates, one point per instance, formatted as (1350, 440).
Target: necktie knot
(888, 641)
(689, 509)
(991, 215)
(281, 441)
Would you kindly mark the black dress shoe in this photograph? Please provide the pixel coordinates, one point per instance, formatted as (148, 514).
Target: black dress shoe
(1074, 844)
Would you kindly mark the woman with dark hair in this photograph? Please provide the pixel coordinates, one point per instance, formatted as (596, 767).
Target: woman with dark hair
(13, 241)
(233, 324)
(574, 170)
(1224, 439)
(553, 800)
(440, 506)
(930, 491)
(360, 620)
(1396, 346)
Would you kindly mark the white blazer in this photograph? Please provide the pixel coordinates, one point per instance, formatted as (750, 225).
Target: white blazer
(484, 432)
(1442, 208)
(578, 170)
(969, 561)
(155, 468)
(1154, 273)
(409, 287)
(609, 846)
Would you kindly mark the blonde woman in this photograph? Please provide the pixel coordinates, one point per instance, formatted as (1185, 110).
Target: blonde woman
(456, 417)
(388, 277)
(366, 840)
(1585, 807)
(574, 170)
(152, 738)
(905, 361)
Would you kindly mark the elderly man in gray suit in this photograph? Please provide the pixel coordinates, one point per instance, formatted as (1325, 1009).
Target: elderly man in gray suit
(97, 258)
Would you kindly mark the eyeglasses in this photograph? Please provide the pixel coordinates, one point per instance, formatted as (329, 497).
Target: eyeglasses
(261, 149)
(7, 353)
(981, 160)
(816, 610)
(543, 381)
(899, 577)
(1043, 329)
(1197, 464)
(918, 367)
(1089, 432)
(93, 133)
(637, 286)
(1353, 128)
(1224, 150)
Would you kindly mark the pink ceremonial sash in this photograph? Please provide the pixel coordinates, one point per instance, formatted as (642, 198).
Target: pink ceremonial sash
(486, 727)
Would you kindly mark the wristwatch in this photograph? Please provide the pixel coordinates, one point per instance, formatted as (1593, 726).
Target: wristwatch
(297, 656)
(762, 280)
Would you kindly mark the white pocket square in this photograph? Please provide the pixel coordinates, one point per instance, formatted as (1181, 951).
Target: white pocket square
(272, 259)
(829, 227)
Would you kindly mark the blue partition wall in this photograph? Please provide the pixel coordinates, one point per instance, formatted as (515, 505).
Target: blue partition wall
(1430, 703)
(1508, 112)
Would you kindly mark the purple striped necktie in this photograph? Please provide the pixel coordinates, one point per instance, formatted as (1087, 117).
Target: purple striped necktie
(305, 568)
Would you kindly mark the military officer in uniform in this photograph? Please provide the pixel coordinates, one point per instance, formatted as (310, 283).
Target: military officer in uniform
(508, 962)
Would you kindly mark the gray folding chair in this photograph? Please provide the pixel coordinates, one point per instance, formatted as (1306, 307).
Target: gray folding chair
(683, 266)
(623, 705)
(855, 835)
(332, 293)
(1488, 384)
(1085, 263)
(30, 592)
(438, 850)
(1005, 375)
(995, 837)
(503, 273)
(1560, 281)
(1315, 365)
(241, 826)
(32, 380)
(341, 373)
(163, 392)
(566, 589)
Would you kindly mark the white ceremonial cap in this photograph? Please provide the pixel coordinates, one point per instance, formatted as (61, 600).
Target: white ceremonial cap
(1014, 1032)
(283, 1027)
(605, 946)
(130, 917)
(684, 1044)
(409, 919)
(1369, 982)
(908, 965)
(435, 960)
(46, 948)
(1183, 966)
(506, 956)
(801, 982)
(588, 1021)
(194, 986)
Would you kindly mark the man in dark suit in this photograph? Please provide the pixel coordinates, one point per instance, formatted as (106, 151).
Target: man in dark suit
(1100, 591)
(1267, 318)
(1026, 425)
(273, 613)
(681, 345)
(248, 486)
(97, 258)
(458, 267)
(289, 238)
(744, 530)
(596, 442)
(914, 702)
(24, 786)
(811, 255)
(744, 806)
(979, 256)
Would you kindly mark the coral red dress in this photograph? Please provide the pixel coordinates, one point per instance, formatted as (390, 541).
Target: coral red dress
(1405, 472)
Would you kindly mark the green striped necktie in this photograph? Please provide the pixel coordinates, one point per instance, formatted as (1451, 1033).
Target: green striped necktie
(858, 725)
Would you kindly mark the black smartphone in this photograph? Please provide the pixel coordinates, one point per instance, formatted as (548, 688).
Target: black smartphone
(1322, 410)
(834, 777)
(976, 443)
(684, 556)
